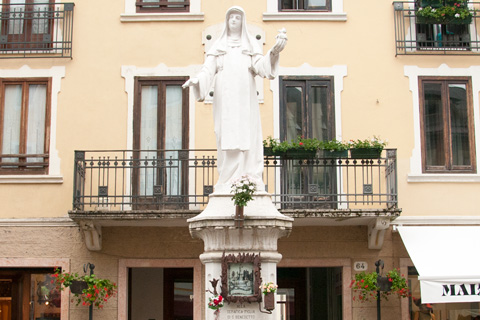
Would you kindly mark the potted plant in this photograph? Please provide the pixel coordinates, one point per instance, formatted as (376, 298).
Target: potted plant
(450, 13)
(268, 145)
(88, 289)
(268, 289)
(243, 189)
(299, 148)
(366, 149)
(367, 285)
(334, 149)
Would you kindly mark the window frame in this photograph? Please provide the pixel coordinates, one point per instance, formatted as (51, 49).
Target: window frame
(27, 169)
(301, 4)
(448, 168)
(306, 83)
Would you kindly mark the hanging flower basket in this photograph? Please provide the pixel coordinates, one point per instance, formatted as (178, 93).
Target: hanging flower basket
(88, 289)
(367, 285)
(78, 286)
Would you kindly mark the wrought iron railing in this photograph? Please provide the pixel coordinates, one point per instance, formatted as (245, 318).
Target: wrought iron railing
(39, 30)
(182, 180)
(416, 36)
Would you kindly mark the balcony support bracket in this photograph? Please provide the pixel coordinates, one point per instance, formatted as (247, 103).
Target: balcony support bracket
(93, 236)
(376, 232)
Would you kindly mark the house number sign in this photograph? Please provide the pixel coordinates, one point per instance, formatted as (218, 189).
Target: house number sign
(360, 266)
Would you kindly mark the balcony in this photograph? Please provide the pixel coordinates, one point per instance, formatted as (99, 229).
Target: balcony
(416, 35)
(176, 183)
(40, 30)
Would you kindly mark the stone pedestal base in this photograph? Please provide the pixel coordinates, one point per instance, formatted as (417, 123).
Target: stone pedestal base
(263, 225)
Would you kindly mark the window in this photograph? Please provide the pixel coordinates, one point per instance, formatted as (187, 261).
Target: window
(27, 24)
(310, 293)
(306, 109)
(160, 128)
(419, 310)
(24, 126)
(162, 6)
(300, 5)
(447, 125)
(28, 293)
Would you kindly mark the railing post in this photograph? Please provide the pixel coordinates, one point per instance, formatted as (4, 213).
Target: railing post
(78, 179)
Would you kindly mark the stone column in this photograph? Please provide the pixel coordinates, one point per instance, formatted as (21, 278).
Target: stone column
(263, 226)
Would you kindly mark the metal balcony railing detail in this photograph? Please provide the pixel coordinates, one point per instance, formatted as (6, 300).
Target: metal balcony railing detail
(39, 30)
(414, 36)
(172, 180)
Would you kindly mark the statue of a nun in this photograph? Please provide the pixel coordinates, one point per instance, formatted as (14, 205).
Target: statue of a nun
(233, 61)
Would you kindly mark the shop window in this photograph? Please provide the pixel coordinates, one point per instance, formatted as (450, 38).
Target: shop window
(302, 5)
(437, 311)
(162, 6)
(160, 293)
(25, 126)
(28, 293)
(447, 125)
(310, 293)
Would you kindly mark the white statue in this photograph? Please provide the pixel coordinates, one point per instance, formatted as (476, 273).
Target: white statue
(233, 61)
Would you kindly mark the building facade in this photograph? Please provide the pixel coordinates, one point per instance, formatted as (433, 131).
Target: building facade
(104, 157)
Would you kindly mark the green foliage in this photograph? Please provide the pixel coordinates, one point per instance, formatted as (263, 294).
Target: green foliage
(270, 142)
(334, 145)
(98, 290)
(456, 12)
(216, 302)
(374, 143)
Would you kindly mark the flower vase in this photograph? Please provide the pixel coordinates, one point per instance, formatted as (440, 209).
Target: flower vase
(239, 218)
(269, 301)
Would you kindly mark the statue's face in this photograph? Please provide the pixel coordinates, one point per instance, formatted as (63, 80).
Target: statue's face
(235, 22)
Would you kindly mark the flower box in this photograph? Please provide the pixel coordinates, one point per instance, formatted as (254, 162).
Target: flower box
(268, 151)
(428, 20)
(300, 154)
(365, 153)
(329, 154)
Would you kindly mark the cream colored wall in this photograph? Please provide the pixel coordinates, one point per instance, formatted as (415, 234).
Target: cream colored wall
(92, 103)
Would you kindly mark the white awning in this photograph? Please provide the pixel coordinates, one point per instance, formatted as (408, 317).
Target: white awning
(447, 259)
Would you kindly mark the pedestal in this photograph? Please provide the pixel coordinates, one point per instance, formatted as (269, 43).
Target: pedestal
(263, 225)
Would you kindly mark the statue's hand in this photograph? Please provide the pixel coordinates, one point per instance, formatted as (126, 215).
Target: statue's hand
(190, 82)
(281, 41)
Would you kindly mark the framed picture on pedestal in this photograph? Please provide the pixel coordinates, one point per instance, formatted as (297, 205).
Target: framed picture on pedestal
(241, 278)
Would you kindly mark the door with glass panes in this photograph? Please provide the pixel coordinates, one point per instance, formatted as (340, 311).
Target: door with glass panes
(160, 142)
(307, 110)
